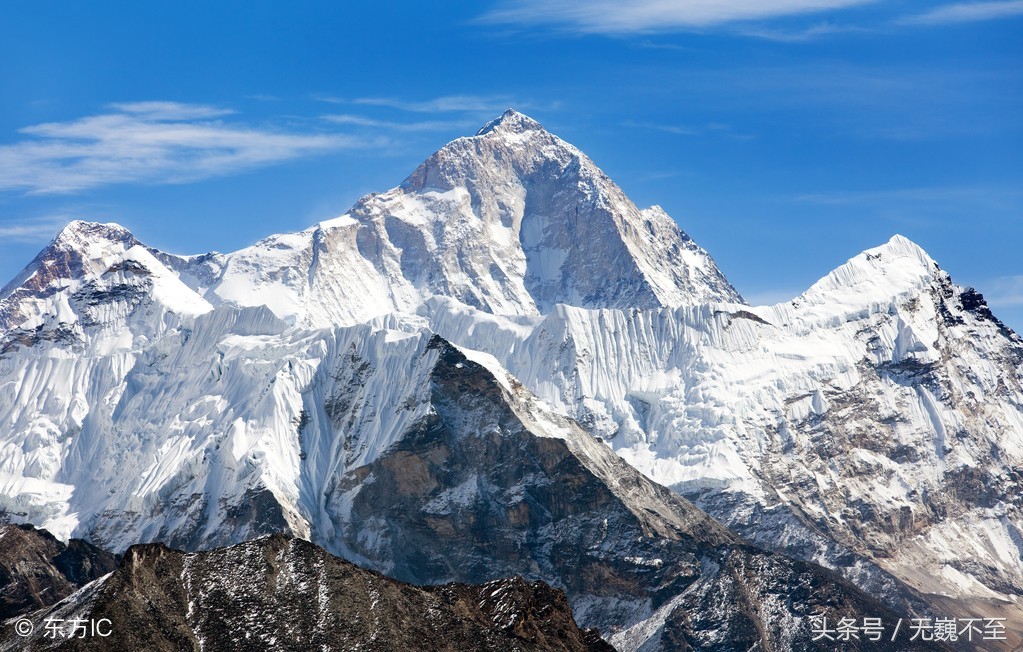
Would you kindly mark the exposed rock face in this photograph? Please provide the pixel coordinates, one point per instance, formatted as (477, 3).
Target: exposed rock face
(480, 488)
(874, 424)
(514, 220)
(481, 481)
(37, 570)
(278, 593)
(91, 276)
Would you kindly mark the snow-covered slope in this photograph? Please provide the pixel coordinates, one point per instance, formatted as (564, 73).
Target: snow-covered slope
(93, 274)
(386, 444)
(874, 424)
(107, 347)
(878, 417)
(512, 221)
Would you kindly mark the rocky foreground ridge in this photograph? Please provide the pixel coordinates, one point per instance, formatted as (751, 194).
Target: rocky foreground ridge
(279, 593)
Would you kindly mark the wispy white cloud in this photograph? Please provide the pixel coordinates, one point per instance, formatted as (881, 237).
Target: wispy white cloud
(810, 33)
(966, 12)
(674, 129)
(461, 113)
(149, 142)
(890, 102)
(938, 196)
(710, 128)
(443, 104)
(372, 123)
(446, 104)
(35, 229)
(641, 16)
(1004, 291)
(170, 110)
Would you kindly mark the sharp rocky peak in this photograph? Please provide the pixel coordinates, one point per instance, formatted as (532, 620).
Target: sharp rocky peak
(79, 232)
(86, 267)
(530, 221)
(511, 122)
(513, 220)
(66, 256)
(511, 148)
(894, 278)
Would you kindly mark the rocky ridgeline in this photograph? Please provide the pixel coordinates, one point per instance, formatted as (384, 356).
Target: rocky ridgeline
(278, 593)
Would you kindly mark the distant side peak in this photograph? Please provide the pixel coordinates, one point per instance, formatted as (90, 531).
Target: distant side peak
(899, 246)
(875, 275)
(510, 122)
(81, 230)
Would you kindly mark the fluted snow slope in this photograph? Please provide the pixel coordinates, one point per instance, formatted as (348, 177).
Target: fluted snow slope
(879, 414)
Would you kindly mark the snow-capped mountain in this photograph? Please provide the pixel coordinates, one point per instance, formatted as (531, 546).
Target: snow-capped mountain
(873, 425)
(479, 480)
(511, 221)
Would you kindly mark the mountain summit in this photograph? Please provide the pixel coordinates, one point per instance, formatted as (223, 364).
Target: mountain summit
(511, 121)
(516, 220)
(512, 221)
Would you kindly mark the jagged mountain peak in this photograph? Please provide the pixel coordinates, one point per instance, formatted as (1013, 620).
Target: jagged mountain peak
(897, 268)
(83, 231)
(66, 255)
(515, 220)
(511, 221)
(90, 274)
(512, 145)
(895, 278)
(510, 122)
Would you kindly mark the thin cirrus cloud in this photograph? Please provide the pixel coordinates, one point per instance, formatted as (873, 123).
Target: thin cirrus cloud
(1005, 291)
(992, 197)
(372, 123)
(967, 12)
(445, 113)
(35, 229)
(706, 129)
(446, 104)
(149, 142)
(613, 17)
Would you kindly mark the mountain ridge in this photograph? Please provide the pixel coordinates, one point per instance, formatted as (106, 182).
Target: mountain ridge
(499, 241)
(277, 591)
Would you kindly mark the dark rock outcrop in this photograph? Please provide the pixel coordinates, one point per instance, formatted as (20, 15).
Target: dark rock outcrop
(37, 570)
(278, 593)
(479, 489)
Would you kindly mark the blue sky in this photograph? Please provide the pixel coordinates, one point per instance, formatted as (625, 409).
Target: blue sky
(784, 135)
